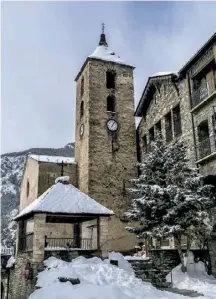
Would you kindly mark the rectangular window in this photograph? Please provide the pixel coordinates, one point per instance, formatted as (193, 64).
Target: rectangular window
(177, 120)
(151, 134)
(158, 128)
(204, 147)
(168, 127)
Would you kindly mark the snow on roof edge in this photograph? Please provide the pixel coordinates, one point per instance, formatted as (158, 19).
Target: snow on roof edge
(159, 74)
(52, 159)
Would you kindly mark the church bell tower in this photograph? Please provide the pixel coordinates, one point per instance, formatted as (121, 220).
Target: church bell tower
(105, 148)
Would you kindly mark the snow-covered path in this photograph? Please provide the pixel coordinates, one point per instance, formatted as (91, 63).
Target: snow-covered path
(98, 279)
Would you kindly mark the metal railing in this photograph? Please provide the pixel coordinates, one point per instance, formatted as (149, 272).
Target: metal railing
(206, 147)
(26, 242)
(199, 95)
(67, 243)
(7, 250)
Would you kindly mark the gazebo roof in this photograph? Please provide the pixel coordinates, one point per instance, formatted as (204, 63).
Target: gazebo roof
(64, 198)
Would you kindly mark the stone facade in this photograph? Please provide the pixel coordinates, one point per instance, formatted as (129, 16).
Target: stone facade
(104, 168)
(166, 97)
(39, 176)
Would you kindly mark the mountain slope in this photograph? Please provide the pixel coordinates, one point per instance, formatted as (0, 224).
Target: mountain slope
(12, 166)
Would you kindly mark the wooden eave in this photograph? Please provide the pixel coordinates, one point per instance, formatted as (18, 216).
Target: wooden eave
(148, 91)
(198, 54)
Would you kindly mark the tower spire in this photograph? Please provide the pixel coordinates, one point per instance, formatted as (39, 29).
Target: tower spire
(102, 41)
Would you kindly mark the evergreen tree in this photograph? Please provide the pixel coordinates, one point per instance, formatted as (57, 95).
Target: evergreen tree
(170, 198)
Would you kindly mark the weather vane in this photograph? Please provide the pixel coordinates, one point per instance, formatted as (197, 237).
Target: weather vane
(103, 26)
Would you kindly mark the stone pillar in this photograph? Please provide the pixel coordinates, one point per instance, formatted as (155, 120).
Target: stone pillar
(103, 236)
(39, 237)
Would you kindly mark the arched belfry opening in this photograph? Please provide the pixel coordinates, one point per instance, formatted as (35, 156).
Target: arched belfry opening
(110, 79)
(110, 104)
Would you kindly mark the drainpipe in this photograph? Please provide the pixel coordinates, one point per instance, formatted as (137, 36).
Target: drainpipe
(192, 119)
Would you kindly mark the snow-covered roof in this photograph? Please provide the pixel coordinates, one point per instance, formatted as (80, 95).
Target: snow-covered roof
(53, 159)
(64, 198)
(105, 53)
(159, 74)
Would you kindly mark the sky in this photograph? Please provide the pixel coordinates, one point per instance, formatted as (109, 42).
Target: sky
(44, 45)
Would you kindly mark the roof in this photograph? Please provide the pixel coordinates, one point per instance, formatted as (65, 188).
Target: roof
(52, 159)
(64, 198)
(159, 76)
(200, 52)
(104, 53)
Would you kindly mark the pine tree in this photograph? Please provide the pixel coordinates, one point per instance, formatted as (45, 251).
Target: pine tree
(170, 198)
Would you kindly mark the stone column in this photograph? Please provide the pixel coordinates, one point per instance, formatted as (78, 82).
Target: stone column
(103, 236)
(39, 237)
(212, 253)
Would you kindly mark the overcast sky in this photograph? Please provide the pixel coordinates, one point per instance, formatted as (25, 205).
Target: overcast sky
(44, 44)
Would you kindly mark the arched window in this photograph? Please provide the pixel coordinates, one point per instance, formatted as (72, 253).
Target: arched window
(110, 104)
(27, 189)
(82, 87)
(110, 79)
(81, 109)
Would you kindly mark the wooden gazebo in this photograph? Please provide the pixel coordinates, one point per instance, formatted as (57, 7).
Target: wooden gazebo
(65, 209)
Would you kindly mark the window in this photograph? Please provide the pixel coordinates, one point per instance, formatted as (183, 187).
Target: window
(158, 128)
(82, 87)
(200, 90)
(110, 79)
(168, 127)
(177, 120)
(81, 109)
(204, 148)
(110, 104)
(151, 134)
(27, 189)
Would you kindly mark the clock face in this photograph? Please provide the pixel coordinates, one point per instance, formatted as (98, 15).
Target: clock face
(81, 129)
(112, 125)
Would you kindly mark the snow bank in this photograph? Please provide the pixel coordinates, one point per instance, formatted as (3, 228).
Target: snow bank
(64, 179)
(10, 262)
(98, 280)
(122, 262)
(195, 279)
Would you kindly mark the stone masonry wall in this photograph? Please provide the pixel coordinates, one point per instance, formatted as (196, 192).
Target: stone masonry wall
(20, 288)
(103, 173)
(48, 172)
(163, 101)
(31, 177)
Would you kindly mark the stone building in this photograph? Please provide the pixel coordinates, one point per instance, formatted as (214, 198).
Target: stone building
(183, 105)
(105, 146)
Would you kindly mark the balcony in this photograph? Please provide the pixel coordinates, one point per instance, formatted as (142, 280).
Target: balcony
(68, 243)
(206, 147)
(199, 95)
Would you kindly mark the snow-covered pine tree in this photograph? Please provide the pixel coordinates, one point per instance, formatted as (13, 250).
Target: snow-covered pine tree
(170, 198)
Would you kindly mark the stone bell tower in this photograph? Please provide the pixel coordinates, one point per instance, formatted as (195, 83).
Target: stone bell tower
(105, 149)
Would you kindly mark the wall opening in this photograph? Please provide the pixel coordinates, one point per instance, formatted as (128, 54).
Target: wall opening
(82, 87)
(110, 79)
(110, 104)
(81, 109)
(27, 189)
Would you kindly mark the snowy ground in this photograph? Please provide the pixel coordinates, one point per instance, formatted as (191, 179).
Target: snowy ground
(195, 279)
(98, 279)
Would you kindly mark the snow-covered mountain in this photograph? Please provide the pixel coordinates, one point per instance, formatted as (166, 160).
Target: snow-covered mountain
(12, 166)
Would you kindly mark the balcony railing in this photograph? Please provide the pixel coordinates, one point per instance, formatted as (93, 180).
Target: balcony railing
(199, 95)
(26, 242)
(206, 147)
(67, 243)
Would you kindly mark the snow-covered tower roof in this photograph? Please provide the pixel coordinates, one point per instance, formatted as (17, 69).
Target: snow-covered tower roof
(103, 52)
